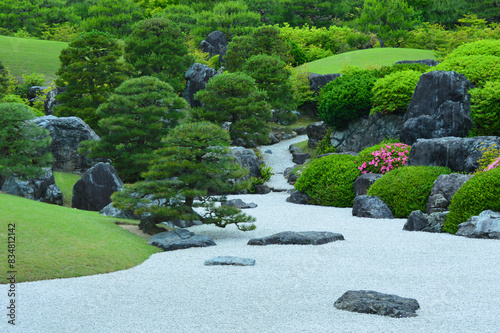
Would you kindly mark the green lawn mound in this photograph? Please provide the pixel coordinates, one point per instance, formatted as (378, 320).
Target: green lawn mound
(28, 56)
(59, 242)
(369, 58)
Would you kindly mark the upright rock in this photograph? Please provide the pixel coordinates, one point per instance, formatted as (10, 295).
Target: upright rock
(443, 190)
(318, 81)
(247, 159)
(50, 100)
(196, 77)
(440, 107)
(315, 132)
(43, 188)
(67, 134)
(215, 44)
(363, 183)
(93, 191)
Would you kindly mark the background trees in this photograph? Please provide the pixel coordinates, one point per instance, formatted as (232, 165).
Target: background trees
(133, 122)
(90, 69)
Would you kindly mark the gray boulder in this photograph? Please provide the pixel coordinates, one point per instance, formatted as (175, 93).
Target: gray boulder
(373, 302)
(458, 154)
(50, 100)
(418, 221)
(318, 81)
(230, 261)
(43, 188)
(196, 77)
(366, 132)
(67, 134)
(262, 189)
(427, 62)
(363, 182)
(299, 157)
(486, 225)
(179, 239)
(298, 197)
(443, 190)
(315, 132)
(247, 159)
(439, 107)
(109, 210)
(93, 191)
(371, 206)
(298, 238)
(238, 203)
(215, 44)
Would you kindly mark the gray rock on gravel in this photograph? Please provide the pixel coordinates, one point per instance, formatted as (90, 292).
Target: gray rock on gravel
(373, 302)
(230, 261)
(486, 225)
(443, 190)
(300, 157)
(238, 203)
(298, 238)
(372, 207)
(418, 221)
(179, 239)
(298, 197)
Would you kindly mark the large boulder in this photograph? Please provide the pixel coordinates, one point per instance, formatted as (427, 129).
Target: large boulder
(297, 238)
(298, 197)
(50, 100)
(486, 225)
(458, 154)
(43, 188)
(215, 44)
(373, 302)
(443, 190)
(196, 77)
(418, 221)
(366, 132)
(93, 191)
(67, 134)
(315, 132)
(372, 207)
(439, 107)
(179, 239)
(247, 158)
(363, 183)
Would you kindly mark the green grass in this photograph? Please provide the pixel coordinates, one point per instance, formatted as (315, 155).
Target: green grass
(369, 58)
(65, 181)
(28, 56)
(59, 242)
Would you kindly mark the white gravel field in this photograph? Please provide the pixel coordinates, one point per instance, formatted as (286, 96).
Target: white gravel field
(291, 288)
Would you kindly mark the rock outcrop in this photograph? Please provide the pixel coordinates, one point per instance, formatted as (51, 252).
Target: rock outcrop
(315, 132)
(443, 190)
(50, 100)
(486, 225)
(43, 188)
(372, 207)
(196, 77)
(363, 183)
(418, 221)
(215, 44)
(247, 158)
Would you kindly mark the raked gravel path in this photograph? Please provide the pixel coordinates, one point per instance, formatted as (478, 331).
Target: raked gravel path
(290, 289)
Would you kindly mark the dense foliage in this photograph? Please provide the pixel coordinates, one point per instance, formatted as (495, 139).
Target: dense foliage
(193, 163)
(479, 193)
(23, 144)
(329, 181)
(407, 189)
(485, 109)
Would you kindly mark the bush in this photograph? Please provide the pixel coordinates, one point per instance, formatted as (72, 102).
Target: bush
(383, 157)
(485, 109)
(407, 189)
(392, 94)
(325, 144)
(479, 193)
(477, 68)
(329, 181)
(481, 47)
(347, 98)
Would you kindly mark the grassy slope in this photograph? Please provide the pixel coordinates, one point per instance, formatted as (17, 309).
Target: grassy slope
(65, 181)
(59, 242)
(27, 56)
(365, 58)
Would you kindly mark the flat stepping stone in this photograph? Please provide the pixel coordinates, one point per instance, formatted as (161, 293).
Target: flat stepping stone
(230, 261)
(373, 302)
(179, 239)
(298, 238)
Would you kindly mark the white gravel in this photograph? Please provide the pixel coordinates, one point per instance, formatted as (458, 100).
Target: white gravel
(290, 289)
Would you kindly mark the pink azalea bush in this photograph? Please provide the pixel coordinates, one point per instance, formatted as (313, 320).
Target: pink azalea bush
(493, 165)
(386, 158)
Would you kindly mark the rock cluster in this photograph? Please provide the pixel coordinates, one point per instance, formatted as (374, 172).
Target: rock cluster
(43, 188)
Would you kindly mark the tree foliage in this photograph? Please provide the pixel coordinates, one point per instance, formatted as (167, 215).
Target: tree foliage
(192, 165)
(133, 122)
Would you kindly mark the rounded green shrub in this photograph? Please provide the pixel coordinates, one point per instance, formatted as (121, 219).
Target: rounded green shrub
(386, 70)
(392, 94)
(477, 68)
(481, 47)
(329, 181)
(485, 109)
(407, 189)
(347, 98)
(480, 193)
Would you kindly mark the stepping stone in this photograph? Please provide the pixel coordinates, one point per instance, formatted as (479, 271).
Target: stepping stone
(179, 239)
(373, 302)
(298, 238)
(230, 261)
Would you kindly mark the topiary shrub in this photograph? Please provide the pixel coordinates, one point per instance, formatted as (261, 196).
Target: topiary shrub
(481, 47)
(329, 181)
(480, 193)
(347, 98)
(477, 68)
(485, 109)
(392, 94)
(386, 70)
(383, 157)
(407, 189)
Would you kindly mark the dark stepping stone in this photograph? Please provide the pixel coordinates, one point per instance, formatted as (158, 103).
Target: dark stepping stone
(373, 302)
(179, 239)
(298, 238)
(230, 261)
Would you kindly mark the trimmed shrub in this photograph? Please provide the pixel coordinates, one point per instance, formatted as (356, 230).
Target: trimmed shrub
(480, 193)
(329, 181)
(347, 98)
(477, 68)
(392, 94)
(407, 189)
(485, 109)
(481, 47)
(386, 70)
(383, 157)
